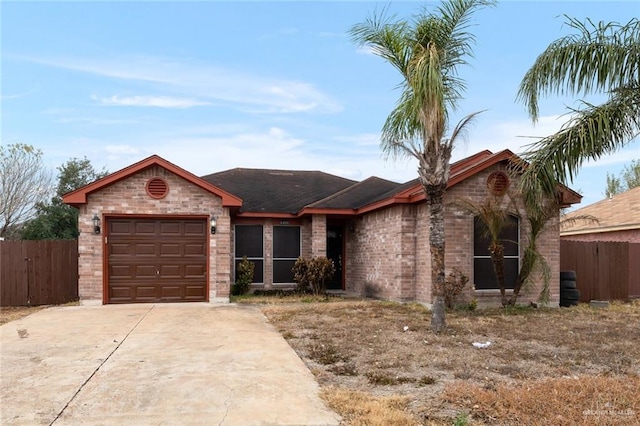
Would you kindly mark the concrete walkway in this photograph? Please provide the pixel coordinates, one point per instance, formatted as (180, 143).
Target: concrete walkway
(177, 364)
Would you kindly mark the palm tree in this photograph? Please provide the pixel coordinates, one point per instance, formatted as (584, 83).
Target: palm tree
(602, 57)
(494, 214)
(427, 52)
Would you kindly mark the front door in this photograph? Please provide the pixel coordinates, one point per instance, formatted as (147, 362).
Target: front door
(335, 253)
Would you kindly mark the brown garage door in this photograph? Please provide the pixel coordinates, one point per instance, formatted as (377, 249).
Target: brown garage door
(156, 260)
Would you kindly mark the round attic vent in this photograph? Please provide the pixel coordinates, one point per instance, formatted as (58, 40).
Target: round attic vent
(157, 187)
(498, 183)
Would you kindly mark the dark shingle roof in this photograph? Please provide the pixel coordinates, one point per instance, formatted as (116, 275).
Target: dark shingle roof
(357, 195)
(277, 191)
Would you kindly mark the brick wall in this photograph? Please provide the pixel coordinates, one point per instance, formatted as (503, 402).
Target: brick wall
(388, 253)
(380, 252)
(306, 249)
(128, 196)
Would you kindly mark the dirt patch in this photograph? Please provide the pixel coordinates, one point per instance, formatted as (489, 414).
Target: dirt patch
(387, 350)
(12, 313)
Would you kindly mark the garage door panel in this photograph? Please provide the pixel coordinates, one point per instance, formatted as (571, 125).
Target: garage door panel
(194, 292)
(120, 227)
(195, 271)
(170, 271)
(144, 227)
(196, 228)
(170, 249)
(144, 249)
(158, 260)
(171, 228)
(195, 249)
(145, 271)
(120, 249)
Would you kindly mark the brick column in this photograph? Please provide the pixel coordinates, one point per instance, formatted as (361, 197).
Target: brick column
(319, 235)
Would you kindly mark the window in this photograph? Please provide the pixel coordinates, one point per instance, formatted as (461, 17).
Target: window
(286, 250)
(484, 276)
(249, 243)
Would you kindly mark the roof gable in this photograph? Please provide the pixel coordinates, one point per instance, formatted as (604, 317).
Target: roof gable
(79, 196)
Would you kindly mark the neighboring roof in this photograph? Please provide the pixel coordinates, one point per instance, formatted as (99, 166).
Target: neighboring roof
(79, 196)
(277, 191)
(618, 213)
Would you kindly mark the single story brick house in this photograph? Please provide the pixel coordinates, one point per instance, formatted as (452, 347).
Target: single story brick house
(154, 232)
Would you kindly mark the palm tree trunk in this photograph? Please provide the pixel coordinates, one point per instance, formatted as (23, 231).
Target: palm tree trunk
(525, 270)
(497, 258)
(435, 196)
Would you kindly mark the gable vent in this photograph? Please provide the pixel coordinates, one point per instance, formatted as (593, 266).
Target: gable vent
(498, 183)
(157, 187)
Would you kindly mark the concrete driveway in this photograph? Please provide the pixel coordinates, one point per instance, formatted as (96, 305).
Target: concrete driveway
(176, 364)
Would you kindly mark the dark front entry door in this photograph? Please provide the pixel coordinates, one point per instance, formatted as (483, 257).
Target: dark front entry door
(334, 252)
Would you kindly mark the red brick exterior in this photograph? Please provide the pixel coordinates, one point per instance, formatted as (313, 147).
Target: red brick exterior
(388, 253)
(129, 197)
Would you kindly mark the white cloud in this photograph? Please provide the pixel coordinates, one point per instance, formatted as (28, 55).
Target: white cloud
(121, 149)
(150, 101)
(496, 135)
(246, 91)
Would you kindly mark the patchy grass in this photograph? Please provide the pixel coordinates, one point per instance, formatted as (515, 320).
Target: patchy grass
(12, 313)
(279, 297)
(545, 365)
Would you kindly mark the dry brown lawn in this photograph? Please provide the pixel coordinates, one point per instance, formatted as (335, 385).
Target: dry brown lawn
(379, 363)
(11, 313)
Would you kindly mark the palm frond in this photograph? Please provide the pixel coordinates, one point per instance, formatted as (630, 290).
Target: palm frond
(591, 133)
(600, 57)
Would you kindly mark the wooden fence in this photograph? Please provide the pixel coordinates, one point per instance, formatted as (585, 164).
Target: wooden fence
(604, 270)
(38, 272)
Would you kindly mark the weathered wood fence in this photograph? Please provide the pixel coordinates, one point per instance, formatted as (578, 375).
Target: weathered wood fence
(604, 270)
(38, 272)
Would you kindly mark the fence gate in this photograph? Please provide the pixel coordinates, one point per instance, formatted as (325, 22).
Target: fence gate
(38, 272)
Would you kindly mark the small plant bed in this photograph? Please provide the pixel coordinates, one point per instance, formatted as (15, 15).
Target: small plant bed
(543, 366)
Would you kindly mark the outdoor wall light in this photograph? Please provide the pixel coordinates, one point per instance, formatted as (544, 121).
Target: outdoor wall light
(96, 224)
(213, 225)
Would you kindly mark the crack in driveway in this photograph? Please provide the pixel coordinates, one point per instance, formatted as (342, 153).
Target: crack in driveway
(100, 366)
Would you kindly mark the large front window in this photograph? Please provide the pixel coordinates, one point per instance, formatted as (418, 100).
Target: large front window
(286, 250)
(484, 275)
(249, 242)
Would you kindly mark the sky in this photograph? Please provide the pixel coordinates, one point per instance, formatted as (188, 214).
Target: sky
(212, 85)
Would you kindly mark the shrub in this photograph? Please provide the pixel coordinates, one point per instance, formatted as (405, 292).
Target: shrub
(313, 274)
(244, 277)
(453, 286)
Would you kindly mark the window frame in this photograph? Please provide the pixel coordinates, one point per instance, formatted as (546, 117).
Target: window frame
(237, 259)
(275, 259)
(516, 257)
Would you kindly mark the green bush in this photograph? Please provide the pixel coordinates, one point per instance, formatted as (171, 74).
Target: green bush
(313, 274)
(244, 277)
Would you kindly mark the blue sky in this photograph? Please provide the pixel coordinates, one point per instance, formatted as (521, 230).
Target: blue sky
(217, 85)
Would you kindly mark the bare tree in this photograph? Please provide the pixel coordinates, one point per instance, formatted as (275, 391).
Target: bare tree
(24, 181)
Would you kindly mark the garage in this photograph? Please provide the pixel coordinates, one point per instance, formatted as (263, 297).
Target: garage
(152, 260)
